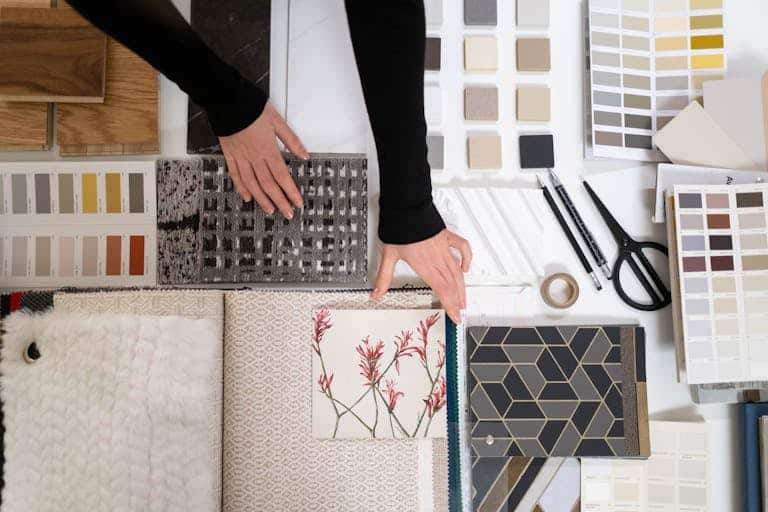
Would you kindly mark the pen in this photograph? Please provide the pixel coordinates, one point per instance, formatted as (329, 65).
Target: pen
(581, 226)
(569, 234)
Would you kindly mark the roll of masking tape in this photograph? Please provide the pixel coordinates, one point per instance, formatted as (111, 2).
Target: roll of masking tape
(560, 291)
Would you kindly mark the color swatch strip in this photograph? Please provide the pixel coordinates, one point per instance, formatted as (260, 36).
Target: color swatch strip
(722, 243)
(649, 59)
(77, 224)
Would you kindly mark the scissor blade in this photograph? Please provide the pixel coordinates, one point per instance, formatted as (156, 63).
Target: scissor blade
(610, 220)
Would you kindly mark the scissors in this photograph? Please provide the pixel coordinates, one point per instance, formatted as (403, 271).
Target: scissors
(631, 252)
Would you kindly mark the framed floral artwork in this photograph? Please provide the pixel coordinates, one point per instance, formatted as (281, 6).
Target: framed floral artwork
(378, 374)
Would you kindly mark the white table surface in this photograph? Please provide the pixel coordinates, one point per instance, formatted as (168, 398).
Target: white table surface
(625, 187)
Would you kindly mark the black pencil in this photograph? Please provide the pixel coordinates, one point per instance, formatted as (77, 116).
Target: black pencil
(569, 235)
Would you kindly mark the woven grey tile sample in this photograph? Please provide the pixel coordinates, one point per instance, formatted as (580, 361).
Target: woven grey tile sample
(207, 234)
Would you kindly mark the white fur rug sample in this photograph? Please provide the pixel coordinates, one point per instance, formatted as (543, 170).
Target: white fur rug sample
(111, 412)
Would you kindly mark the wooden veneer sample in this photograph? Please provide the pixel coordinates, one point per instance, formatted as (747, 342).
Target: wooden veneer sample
(50, 55)
(24, 126)
(126, 123)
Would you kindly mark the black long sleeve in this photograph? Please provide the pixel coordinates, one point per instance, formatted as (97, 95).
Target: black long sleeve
(388, 38)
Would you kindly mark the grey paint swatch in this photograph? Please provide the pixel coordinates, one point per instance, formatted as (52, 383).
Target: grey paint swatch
(609, 99)
(480, 12)
(19, 256)
(42, 193)
(42, 256)
(136, 193)
(436, 152)
(608, 118)
(481, 104)
(432, 54)
(19, 192)
(207, 234)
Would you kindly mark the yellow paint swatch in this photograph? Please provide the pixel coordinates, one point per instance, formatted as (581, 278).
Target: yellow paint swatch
(89, 193)
(708, 61)
(704, 22)
(671, 63)
(671, 24)
(706, 4)
(667, 44)
(112, 182)
(706, 42)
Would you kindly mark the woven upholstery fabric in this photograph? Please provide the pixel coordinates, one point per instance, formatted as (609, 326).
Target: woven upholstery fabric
(271, 460)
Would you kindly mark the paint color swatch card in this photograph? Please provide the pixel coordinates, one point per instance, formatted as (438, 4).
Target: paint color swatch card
(649, 59)
(207, 234)
(722, 245)
(77, 224)
(558, 391)
(677, 476)
(378, 374)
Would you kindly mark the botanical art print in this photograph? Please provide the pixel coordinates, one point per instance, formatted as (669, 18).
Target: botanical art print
(378, 374)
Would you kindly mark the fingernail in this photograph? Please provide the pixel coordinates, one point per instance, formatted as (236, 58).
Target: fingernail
(289, 215)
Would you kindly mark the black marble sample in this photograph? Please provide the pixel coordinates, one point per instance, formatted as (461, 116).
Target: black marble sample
(238, 32)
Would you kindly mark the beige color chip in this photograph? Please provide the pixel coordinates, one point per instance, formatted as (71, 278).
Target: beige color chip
(670, 44)
(533, 104)
(635, 43)
(724, 285)
(533, 55)
(484, 151)
(634, 23)
(481, 54)
(636, 62)
(481, 104)
(697, 82)
(676, 24)
(671, 63)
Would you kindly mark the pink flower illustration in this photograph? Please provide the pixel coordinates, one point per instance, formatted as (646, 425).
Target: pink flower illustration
(392, 395)
(424, 327)
(440, 354)
(369, 360)
(325, 382)
(403, 348)
(322, 322)
(436, 399)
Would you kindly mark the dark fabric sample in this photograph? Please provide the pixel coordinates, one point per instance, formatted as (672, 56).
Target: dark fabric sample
(207, 234)
(537, 152)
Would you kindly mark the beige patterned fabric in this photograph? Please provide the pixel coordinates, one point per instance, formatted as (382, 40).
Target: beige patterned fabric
(271, 460)
(187, 303)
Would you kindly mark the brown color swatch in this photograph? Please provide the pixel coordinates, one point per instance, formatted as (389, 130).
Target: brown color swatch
(114, 253)
(533, 55)
(50, 55)
(24, 126)
(721, 263)
(136, 256)
(126, 123)
(718, 221)
(694, 264)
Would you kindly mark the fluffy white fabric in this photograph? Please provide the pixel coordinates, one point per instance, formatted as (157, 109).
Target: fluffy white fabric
(112, 417)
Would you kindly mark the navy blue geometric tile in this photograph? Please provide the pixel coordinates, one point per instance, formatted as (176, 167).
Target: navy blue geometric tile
(523, 336)
(583, 415)
(565, 359)
(551, 335)
(551, 433)
(557, 391)
(515, 386)
(599, 377)
(499, 397)
(524, 410)
(549, 368)
(492, 354)
(581, 341)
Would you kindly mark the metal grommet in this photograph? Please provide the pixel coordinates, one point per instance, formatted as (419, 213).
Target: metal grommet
(31, 353)
(489, 440)
(571, 289)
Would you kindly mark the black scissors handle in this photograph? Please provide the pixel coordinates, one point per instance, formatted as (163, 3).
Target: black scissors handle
(631, 253)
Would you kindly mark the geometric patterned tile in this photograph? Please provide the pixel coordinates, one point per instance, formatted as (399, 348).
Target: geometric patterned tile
(575, 390)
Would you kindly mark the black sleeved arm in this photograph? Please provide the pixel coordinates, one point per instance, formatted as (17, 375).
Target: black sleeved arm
(388, 38)
(389, 41)
(157, 31)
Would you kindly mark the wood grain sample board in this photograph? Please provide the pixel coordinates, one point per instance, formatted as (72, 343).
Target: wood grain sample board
(238, 31)
(24, 126)
(126, 123)
(50, 55)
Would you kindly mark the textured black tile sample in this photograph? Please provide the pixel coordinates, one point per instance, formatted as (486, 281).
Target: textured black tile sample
(537, 152)
(557, 391)
(238, 32)
(207, 234)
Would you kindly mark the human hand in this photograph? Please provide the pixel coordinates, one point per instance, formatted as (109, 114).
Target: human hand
(432, 260)
(256, 166)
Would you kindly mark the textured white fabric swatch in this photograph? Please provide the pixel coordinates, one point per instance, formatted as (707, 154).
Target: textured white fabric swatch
(113, 415)
(271, 460)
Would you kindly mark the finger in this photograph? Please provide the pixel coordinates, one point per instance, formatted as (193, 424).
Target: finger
(290, 139)
(384, 276)
(234, 174)
(258, 194)
(441, 282)
(284, 179)
(273, 191)
(451, 297)
(464, 249)
(458, 279)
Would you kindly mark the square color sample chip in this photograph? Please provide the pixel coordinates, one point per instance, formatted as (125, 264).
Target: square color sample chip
(484, 151)
(533, 13)
(481, 54)
(433, 104)
(533, 55)
(481, 104)
(432, 54)
(436, 152)
(434, 12)
(533, 103)
(480, 12)
(537, 152)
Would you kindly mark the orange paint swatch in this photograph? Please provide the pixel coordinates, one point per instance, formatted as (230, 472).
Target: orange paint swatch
(136, 257)
(113, 255)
